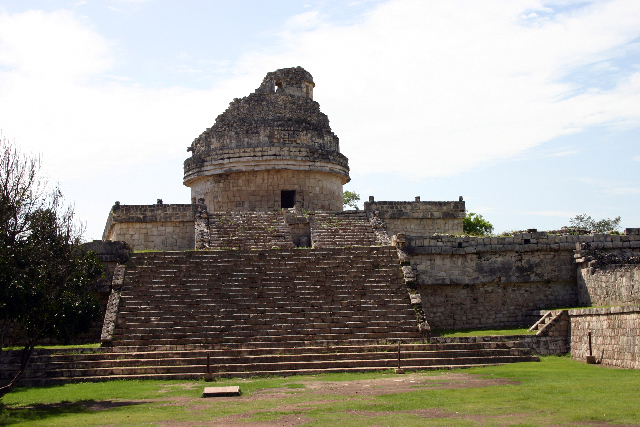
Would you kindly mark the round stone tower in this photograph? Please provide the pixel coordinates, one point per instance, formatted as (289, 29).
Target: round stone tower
(272, 149)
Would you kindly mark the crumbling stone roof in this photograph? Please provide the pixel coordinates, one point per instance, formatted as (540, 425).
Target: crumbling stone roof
(271, 110)
(278, 113)
(288, 77)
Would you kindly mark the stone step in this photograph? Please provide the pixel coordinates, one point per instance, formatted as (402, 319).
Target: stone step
(289, 340)
(121, 352)
(148, 360)
(13, 356)
(382, 363)
(281, 296)
(199, 375)
(100, 364)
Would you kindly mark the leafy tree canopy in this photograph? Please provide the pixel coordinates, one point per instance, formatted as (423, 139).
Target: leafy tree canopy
(45, 272)
(350, 199)
(475, 225)
(585, 222)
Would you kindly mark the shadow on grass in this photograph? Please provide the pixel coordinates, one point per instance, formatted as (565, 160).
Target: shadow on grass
(18, 414)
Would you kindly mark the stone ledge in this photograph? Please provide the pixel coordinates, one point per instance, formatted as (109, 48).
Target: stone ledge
(604, 311)
(265, 163)
(525, 242)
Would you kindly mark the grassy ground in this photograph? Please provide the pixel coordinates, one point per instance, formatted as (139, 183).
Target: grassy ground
(556, 392)
(481, 333)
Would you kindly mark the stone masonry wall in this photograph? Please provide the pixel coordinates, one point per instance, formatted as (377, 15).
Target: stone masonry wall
(491, 305)
(470, 282)
(159, 227)
(615, 284)
(419, 218)
(615, 335)
(260, 190)
(166, 236)
(541, 345)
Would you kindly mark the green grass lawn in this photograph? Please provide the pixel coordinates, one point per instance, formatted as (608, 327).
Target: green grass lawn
(558, 391)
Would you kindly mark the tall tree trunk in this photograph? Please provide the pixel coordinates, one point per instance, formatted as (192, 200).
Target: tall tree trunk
(24, 361)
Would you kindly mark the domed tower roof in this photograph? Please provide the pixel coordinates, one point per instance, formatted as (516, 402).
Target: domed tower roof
(278, 127)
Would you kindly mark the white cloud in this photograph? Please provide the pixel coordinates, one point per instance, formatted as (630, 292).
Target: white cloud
(417, 88)
(304, 21)
(183, 68)
(83, 129)
(624, 190)
(441, 86)
(564, 153)
(51, 46)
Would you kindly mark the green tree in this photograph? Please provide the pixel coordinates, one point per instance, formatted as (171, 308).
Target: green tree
(350, 199)
(21, 194)
(585, 222)
(45, 287)
(475, 225)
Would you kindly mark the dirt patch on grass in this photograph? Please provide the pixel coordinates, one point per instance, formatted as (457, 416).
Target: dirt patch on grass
(603, 424)
(241, 420)
(333, 390)
(389, 385)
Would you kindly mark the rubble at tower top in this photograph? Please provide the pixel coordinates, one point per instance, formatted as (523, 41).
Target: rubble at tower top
(281, 112)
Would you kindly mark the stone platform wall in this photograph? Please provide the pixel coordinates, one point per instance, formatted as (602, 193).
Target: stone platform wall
(469, 282)
(419, 218)
(615, 335)
(492, 305)
(159, 226)
(541, 345)
(615, 284)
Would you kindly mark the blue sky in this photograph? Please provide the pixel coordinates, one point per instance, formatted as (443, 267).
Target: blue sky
(528, 109)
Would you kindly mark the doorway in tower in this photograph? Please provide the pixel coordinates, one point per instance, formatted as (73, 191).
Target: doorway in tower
(287, 199)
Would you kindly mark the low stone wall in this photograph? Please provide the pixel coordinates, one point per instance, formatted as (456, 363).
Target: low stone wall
(493, 267)
(492, 305)
(159, 226)
(419, 218)
(543, 346)
(615, 284)
(615, 335)
(487, 282)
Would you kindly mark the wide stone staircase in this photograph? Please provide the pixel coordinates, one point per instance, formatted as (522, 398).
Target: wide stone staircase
(349, 228)
(248, 312)
(248, 230)
(49, 366)
(292, 297)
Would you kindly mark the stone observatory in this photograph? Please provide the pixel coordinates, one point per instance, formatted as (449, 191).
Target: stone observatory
(273, 149)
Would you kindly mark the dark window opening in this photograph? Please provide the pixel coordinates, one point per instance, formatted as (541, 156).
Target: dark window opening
(287, 199)
(278, 86)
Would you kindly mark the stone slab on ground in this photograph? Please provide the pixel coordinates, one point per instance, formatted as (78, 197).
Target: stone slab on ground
(233, 390)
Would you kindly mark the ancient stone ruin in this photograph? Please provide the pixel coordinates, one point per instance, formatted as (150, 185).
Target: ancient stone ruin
(272, 149)
(264, 272)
